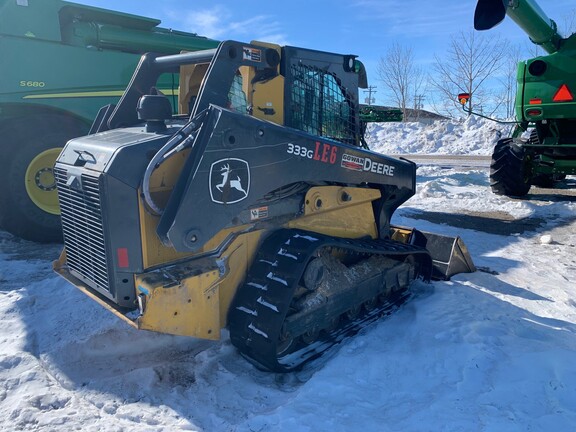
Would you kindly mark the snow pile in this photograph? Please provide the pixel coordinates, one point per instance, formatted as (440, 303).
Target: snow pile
(470, 136)
(488, 351)
(468, 192)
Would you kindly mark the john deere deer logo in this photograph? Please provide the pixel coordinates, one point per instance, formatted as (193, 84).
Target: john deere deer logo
(229, 181)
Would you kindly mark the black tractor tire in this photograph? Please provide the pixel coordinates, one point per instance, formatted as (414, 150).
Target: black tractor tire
(508, 174)
(30, 145)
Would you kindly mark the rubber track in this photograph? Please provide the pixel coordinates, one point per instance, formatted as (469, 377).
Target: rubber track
(262, 303)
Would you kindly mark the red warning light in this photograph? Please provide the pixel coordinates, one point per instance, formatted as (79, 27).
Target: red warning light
(563, 94)
(463, 98)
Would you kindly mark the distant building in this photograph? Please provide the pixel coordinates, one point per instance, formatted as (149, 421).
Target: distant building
(422, 116)
(412, 115)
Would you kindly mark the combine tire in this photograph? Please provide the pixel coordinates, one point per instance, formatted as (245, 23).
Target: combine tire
(29, 202)
(508, 174)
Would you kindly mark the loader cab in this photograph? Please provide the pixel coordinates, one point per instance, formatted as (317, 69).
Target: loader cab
(308, 90)
(254, 91)
(191, 77)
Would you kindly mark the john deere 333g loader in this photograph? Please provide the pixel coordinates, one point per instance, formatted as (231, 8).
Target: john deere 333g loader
(257, 208)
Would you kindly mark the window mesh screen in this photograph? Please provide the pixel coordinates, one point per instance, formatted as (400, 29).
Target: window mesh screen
(236, 96)
(319, 106)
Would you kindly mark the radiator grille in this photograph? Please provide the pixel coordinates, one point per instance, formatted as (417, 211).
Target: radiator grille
(82, 228)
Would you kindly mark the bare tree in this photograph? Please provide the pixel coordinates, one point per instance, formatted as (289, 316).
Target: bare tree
(469, 65)
(533, 50)
(569, 25)
(509, 79)
(401, 77)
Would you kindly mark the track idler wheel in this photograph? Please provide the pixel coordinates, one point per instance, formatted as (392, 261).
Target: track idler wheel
(353, 313)
(310, 336)
(334, 324)
(286, 343)
(314, 274)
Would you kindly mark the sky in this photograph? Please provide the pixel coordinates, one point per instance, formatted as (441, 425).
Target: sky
(362, 27)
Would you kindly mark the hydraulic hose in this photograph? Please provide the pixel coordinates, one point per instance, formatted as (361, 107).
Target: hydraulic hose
(182, 139)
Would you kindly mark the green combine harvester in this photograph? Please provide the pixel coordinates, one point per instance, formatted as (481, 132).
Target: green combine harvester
(545, 103)
(61, 62)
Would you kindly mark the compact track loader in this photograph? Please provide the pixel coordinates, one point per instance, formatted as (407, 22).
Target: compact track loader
(257, 208)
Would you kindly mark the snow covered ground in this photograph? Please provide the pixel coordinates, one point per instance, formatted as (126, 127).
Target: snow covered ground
(489, 351)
